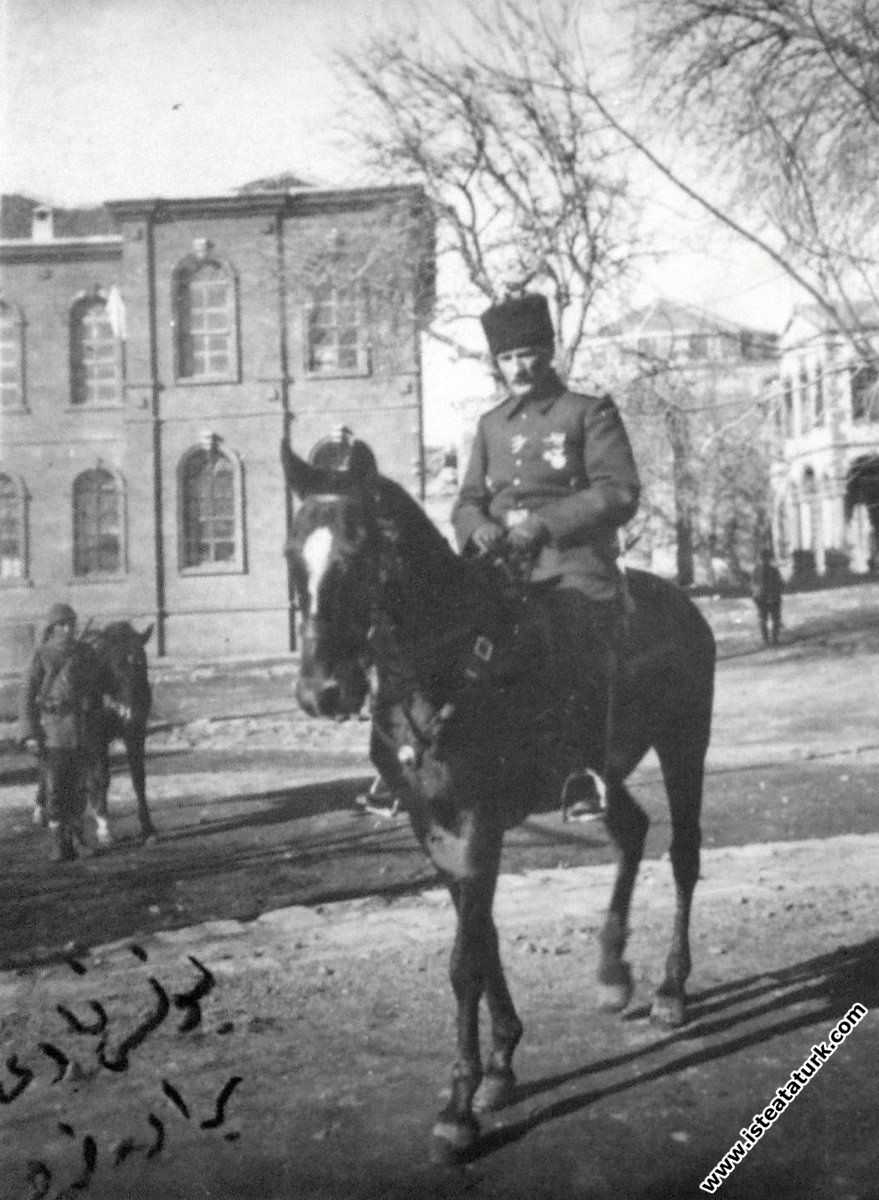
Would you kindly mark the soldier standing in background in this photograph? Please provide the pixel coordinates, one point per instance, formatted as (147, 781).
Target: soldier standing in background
(61, 721)
(766, 589)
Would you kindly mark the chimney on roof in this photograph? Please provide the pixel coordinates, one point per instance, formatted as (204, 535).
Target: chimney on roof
(43, 224)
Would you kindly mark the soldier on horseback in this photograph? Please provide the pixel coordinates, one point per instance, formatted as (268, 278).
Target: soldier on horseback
(552, 472)
(62, 721)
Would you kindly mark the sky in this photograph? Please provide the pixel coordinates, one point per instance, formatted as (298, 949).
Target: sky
(110, 99)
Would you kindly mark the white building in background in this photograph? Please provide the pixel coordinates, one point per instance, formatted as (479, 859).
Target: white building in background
(712, 372)
(828, 433)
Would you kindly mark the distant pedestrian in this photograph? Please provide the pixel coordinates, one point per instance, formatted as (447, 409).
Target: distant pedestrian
(62, 722)
(766, 589)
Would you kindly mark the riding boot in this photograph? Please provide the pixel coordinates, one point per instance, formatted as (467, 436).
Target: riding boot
(584, 792)
(62, 843)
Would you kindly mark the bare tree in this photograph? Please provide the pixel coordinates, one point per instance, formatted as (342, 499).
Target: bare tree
(702, 444)
(781, 100)
(526, 180)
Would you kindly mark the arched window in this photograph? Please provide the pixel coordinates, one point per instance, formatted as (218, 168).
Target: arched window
(13, 539)
(97, 523)
(819, 394)
(865, 393)
(207, 332)
(336, 341)
(11, 357)
(210, 517)
(95, 354)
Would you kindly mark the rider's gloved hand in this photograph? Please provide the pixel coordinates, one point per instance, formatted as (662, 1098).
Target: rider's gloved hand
(529, 535)
(485, 537)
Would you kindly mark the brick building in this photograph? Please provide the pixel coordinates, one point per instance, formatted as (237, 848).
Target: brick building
(154, 353)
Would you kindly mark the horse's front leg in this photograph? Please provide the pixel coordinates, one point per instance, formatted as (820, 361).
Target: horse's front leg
(474, 969)
(498, 1085)
(40, 799)
(97, 784)
(135, 746)
(456, 1131)
(627, 824)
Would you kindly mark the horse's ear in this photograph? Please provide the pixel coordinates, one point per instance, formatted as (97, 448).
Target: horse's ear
(147, 634)
(362, 464)
(301, 476)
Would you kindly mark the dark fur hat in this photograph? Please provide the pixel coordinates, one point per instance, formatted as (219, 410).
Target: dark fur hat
(518, 321)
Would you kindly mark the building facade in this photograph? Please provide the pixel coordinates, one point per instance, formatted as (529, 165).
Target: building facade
(692, 386)
(827, 448)
(154, 354)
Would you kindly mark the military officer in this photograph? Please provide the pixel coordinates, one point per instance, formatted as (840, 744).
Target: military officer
(553, 471)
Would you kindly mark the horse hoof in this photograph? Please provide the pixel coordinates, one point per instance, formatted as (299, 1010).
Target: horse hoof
(453, 1142)
(670, 1012)
(614, 997)
(38, 816)
(150, 839)
(497, 1090)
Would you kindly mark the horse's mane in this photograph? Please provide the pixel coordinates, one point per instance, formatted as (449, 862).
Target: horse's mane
(436, 579)
(412, 526)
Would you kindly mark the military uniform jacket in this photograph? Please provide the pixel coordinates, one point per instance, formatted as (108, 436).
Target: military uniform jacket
(62, 702)
(566, 458)
(766, 583)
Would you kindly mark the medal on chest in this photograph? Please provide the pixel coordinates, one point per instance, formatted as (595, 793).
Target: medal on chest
(554, 450)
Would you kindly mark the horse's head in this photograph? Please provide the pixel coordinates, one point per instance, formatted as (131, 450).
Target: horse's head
(333, 562)
(120, 648)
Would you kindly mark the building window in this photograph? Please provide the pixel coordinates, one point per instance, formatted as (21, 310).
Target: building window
(13, 543)
(805, 400)
(819, 394)
(336, 330)
(207, 327)
(97, 524)
(787, 407)
(210, 511)
(865, 393)
(95, 360)
(11, 357)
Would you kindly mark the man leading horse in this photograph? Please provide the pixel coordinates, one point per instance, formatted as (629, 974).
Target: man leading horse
(62, 718)
(552, 471)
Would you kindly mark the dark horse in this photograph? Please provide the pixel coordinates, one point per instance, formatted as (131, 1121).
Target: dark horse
(466, 712)
(121, 658)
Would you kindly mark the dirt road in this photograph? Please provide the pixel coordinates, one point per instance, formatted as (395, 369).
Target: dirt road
(338, 1021)
(326, 1027)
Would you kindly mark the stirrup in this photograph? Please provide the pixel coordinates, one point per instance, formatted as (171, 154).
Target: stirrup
(371, 802)
(592, 801)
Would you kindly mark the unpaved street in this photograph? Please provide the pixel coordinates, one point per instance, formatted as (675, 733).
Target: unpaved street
(339, 1023)
(325, 1034)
